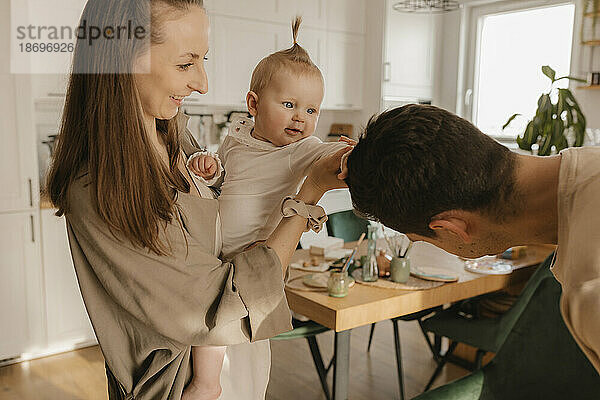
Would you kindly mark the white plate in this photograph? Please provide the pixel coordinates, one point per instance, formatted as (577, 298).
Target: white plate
(488, 266)
(433, 274)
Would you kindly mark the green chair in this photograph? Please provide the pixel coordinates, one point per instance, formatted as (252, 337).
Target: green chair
(538, 358)
(308, 330)
(485, 334)
(348, 226)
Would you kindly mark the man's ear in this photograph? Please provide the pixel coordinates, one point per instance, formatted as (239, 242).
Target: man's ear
(455, 222)
(252, 103)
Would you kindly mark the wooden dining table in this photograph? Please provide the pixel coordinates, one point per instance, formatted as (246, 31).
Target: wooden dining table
(366, 304)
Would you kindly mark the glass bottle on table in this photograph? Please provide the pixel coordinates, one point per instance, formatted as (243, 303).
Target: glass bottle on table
(370, 270)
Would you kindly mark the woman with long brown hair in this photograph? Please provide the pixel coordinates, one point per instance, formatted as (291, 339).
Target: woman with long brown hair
(144, 235)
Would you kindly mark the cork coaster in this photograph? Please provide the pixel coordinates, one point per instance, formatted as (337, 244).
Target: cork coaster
(298, 284)
(413, 283)
(312, 282)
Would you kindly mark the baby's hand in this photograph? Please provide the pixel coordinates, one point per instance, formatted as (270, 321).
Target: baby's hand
(347, 140)
(204, 166)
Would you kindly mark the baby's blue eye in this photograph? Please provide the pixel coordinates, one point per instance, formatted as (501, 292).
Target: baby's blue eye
(311, 111)
(288, 104)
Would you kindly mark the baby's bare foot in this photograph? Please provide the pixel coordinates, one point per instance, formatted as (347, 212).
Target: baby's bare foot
(195, 391)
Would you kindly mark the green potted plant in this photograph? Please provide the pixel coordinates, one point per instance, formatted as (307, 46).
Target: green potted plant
(552, 121)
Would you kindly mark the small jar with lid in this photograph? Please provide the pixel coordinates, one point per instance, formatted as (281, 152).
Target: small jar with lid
(338, 283)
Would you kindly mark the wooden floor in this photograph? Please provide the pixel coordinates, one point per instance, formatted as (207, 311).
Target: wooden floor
(79, 375)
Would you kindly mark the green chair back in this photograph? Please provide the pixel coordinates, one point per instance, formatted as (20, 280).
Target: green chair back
(487, 334)
(508, 320)
(346, 225)
(302, 330)
(538, 360)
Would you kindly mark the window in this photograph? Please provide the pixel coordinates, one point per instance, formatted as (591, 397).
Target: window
(512, 47)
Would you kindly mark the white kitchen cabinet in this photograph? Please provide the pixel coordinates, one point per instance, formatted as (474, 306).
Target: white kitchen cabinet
(313, 12)
(67, 322)
(410, 42)
(346, 15)
(345, 71)
(263, 10)
(18, 158)
(312, 40)
(240, 45)
(20, 316)
(243, 32)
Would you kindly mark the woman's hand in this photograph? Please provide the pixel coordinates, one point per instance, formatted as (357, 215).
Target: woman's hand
(324, 174)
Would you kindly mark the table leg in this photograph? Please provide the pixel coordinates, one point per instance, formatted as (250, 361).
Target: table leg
(341, 365)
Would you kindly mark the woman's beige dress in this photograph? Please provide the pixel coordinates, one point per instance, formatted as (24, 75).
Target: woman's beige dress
(148, 310)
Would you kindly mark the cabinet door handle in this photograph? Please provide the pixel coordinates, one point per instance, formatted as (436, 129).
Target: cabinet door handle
(30, 193)
(32, 228)
(387, 71)
(347, 105)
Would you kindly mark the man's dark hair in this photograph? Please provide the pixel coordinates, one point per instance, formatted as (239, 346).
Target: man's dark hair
(416, 161)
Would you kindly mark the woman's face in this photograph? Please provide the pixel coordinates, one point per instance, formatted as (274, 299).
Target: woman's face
(176, 65)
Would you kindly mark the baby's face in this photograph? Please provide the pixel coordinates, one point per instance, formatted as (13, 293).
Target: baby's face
(288, 108)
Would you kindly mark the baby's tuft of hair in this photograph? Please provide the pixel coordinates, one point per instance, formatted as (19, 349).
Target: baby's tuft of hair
(295, 27)
(294, 59)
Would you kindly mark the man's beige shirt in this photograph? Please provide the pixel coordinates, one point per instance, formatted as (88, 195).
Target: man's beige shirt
(577, 264)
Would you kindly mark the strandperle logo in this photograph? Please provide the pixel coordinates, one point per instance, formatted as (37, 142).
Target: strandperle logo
(44, 33)
(81, 32)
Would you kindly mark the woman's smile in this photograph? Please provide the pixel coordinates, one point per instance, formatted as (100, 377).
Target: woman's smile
(177, 99)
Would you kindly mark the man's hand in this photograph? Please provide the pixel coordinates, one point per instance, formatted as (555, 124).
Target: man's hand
(204, 166)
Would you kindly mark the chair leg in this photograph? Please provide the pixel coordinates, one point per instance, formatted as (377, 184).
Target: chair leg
(398, 358)
(331, 362)
(318, 360)
(436, 354)
(371, 336)
(479, 358)
(437, 345)
(441, 365)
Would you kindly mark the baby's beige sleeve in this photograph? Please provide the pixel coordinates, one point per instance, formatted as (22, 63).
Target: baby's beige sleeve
(309, 150)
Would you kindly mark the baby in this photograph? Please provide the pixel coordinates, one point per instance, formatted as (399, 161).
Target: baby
(260, 162)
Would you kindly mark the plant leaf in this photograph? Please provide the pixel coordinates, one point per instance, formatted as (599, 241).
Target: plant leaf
(569, 116)
(571, 78)
(580, 118)
(510, 120)
(549, 72)
(579, 134)
(558, 134)
(526, 140)
(560, 104)
(545, 145)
